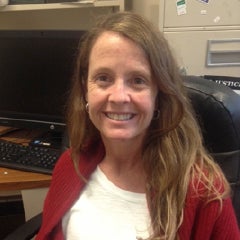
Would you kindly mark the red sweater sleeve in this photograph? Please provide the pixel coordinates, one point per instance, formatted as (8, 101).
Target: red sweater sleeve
(207, 221)
(226, 226)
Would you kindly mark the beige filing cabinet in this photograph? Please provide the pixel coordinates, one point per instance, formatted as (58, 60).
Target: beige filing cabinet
(205, 37)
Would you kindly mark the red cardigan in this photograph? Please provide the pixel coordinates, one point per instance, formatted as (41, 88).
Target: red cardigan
(201, 222)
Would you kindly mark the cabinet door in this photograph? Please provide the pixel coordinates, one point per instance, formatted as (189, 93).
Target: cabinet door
(207, 52)
(198, 14)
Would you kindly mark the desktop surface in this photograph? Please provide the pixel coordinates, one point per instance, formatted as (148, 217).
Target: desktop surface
(13, 180)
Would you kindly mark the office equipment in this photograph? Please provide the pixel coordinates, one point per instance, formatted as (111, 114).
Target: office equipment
(212, 28)
(28, 158)
(36, 67)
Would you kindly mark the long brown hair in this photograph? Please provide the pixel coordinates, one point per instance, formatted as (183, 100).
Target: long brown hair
(173, 154)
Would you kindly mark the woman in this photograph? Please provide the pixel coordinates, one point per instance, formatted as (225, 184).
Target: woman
(137, 168)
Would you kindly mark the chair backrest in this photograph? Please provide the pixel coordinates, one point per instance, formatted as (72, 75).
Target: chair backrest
(217, 108)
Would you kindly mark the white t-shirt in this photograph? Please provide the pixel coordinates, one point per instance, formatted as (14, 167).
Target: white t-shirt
(106, 212)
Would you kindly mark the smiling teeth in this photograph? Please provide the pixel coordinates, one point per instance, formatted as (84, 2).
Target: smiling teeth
(119, 117)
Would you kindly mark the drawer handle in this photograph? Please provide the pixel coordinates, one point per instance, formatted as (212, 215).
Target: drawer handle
(223, 52)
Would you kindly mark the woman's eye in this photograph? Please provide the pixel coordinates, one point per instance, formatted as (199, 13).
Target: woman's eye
(102, 78)
(139, 81)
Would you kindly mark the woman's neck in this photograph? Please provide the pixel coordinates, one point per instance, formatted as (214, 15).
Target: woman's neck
(122, 165)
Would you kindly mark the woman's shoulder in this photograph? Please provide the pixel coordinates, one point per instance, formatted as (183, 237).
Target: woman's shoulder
(64, 171)
(86, 162)
(206, 188)
(64, 159)
(208, 181)
(63, 163)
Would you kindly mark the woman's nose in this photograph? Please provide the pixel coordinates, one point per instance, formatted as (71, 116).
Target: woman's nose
(119, 92)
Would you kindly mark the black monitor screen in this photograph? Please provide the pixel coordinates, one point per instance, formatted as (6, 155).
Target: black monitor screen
(35, 74)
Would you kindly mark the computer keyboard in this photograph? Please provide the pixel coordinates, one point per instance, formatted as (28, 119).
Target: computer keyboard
(28, 158)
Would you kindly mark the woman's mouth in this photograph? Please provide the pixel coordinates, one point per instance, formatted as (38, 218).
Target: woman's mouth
(120, 117)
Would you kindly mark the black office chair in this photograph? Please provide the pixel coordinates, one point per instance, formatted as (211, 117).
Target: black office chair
(217, 109)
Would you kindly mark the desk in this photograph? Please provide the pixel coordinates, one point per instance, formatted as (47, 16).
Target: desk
(32, 186)
(14, 180)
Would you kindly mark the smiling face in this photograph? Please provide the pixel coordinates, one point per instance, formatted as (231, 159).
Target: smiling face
(121, 94)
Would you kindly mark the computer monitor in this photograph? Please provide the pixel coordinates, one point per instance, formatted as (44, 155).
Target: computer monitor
(36, 68)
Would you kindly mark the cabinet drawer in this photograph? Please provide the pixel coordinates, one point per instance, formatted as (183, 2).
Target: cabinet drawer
(198, 14)
(210, 52)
